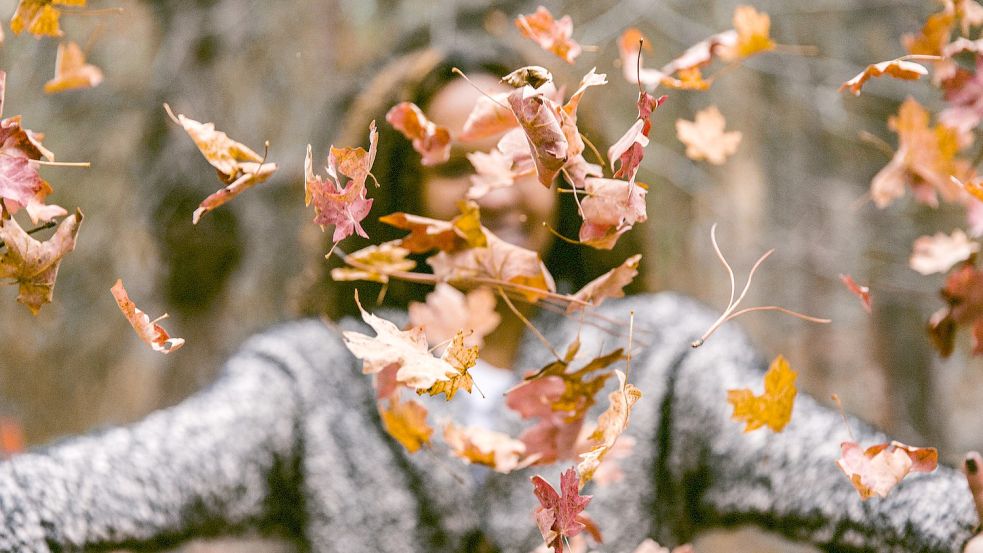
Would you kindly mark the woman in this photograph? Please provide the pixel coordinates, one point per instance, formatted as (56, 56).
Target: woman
(289, 438)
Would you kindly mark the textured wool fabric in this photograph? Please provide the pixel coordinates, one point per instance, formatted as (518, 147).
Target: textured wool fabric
(289, 438)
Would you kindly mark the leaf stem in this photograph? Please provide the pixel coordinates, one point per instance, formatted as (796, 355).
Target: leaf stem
(38, 228)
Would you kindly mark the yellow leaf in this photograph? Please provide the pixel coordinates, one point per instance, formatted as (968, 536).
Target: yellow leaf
(406, 422)
(462, 358)
(71, 71)
(774, 407)
(375, 263)
(753, 28)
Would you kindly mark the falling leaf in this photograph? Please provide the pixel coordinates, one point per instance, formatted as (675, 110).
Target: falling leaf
(611, 208)
(375, 263)
(568, 113)
(71, 71)
(32, 264)
(774, 407)
(861, 292)
(753, 28)
(480, 446)
(539, 119)
(429, 140)
(934, 35)
(532, 76)
(963, 293)
(40, 17)
(343, 205)
(406, 422)
(461, 232)
(149, 331)
(937, 254)
(559, 515)
(608, 285)
(651, 546)
(461, 357)
(705, 137)
(238, 167)
(552, 35)
(899, 69)
(611, 424)
(876, 470)
(447, 309)
(630, 148)
(492, 170)
(490, 116)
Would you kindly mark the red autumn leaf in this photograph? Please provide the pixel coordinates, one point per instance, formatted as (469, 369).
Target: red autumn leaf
(559, 514)
(610, 209)
(876, 470)
(630, 148)
(33, 265)
(335, 203)
(429, 140)
(539, 119)
(149, 331)
(861, 292)
(552, 35)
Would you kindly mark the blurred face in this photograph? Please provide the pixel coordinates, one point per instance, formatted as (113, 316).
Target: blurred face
(514, 213)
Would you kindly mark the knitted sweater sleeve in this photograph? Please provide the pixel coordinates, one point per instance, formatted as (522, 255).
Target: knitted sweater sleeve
(219, 460)
(789, 481)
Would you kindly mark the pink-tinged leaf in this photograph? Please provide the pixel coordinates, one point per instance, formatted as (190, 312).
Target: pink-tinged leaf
(535, 398)
(610, 209)
(559, 514)
(448, 310)
(433, 143)
(20, 182)
(938, 253)
(490, 116)
(334, 204)
(861, 292)
(579, 170)
(552, 35)
(492, 170)
(149, 331)
(630, 148)
(876, 470)
(539, 118)
(253, 174)
(609, 285)
(705, 137)
(33, 265)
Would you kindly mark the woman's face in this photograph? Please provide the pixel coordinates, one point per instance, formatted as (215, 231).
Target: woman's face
(515, 213)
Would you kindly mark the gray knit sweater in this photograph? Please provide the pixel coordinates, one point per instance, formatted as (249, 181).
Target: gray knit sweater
(289, 437)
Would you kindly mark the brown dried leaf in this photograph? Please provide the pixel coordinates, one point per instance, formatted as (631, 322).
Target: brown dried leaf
(149, 331)
(32, 264)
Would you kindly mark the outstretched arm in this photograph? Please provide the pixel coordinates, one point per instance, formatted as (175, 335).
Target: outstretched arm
(219, 460)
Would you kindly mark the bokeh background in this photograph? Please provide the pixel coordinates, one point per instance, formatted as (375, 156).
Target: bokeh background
(278, 71)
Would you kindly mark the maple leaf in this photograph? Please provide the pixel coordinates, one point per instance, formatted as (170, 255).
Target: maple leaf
(335, 203)
(611, 424)
(876, 470)
(489, 117)
(705, 137)
(899, 69)
(861, 292)
(71, 71)
(934, 34)
(149, 331)
(559, 514)
(447, 309)
(610, 209)
(552, 35)
(406, 422)
(753, 28)
(34, 265)
(375, 263)
(493, 170)
(774, 407)
(40, 17)
(630, 148)
(539, 119)
(461, 357)
(963, 293)
(461, 232)
(433, 143)
(480, 446)
(238, 167)
(608, 285)
(418, 368)
(937, 254)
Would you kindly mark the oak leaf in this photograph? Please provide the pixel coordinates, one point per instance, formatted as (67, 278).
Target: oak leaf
(375, 263)
(406, 422)
(71, 70)
(480, 446)
(879, 468)
(447, 309)
(552, 35)
(149, 331)
(899, 69)
(33, 265)
(705, 137)
(774, 407)
(559, 514)
(938, 253)
(432, 142)
(608, 285)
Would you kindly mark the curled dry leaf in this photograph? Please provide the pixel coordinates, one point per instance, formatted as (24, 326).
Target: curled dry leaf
(705, 137)
(461, 232)
(406, 422)
(237, 165)
(149, 331)
(533, 76)
(480, 446)
(539, 119)
(611, 424)
(375, 263)
(630, 148)
(938, 253)
(343, 205)
(552, 35)
(899, 69)
(33, 265)
(879, 468)
(861, 292)
(774, 407)
(611, 208)
(433, 143)
(559, 514)
(40, 17)
(447, 309)
(71, 70)
(609, 285)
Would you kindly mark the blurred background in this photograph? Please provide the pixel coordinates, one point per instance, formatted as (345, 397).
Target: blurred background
(277, 71)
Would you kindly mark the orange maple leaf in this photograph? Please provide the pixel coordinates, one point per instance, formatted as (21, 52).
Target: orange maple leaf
(552, 35)
(406, 422)
(774, 407)
(71, 71)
